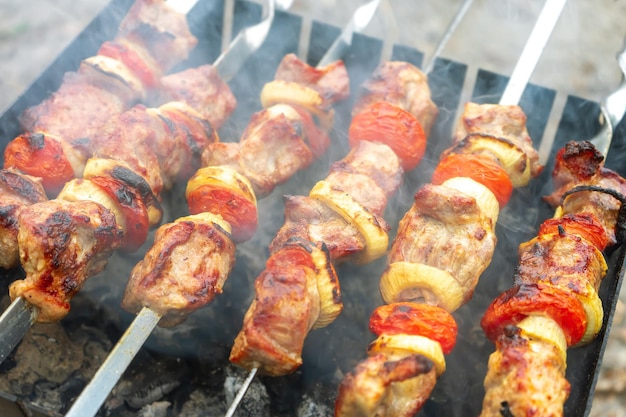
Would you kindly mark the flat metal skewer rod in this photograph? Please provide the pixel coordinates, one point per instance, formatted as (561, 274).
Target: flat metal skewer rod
(454, 23)
(97, 391)
(15, 322)
(533, 49)
(241, 393)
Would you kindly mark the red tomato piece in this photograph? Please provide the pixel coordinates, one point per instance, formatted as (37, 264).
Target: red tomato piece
(383, 122)
(513, 305)
(133, 209)
(585, 225)
(132, 60)
(416, 319)
(41, 156)
(478, 168)
(236, 209)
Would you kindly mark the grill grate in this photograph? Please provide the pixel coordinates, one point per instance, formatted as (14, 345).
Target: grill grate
(187, 366)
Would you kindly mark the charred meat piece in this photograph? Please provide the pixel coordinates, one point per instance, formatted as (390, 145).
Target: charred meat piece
(444, 229)
(184, 269)
(159, 29)
(579, 164)
(16, 192)
(526, 377)
(508, 122)
(296, 292)
(403, 85)
(202, 89)
(270, 151)
(383, 386)
(330, 82)
(62, 244)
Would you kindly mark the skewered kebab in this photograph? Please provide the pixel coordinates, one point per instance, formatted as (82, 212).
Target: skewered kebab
(56, 142)
(554, 303)
(192, 257)
(444, 243)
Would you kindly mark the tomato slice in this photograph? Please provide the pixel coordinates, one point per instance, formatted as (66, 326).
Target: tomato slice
(513, 305)
(416, 319)
(41, 156)
(478, 168)
(133, 208)
(236, 209)
(383, 122)
(132, 60)
(585, 225)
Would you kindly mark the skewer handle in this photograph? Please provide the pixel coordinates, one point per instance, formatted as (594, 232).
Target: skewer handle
(16, 320)
(96, 392)
(240, 394)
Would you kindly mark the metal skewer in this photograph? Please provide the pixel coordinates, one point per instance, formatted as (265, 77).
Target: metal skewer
(612, 108)
(533, 50)
(337, 50)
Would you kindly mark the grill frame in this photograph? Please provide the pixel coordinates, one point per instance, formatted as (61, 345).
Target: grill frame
(359, 284)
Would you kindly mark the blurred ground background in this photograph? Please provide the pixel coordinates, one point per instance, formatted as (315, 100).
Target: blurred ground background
(579, 60)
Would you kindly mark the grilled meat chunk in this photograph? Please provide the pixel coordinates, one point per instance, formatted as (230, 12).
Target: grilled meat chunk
(345, 210)
(403, 85)
(386, 385)
(526, 378)
(77, 99)
(202, 89)
(580, 164)
(128, 137)
(331, 81)
(286, 306)
(62, 244)
(445, 229)
(270, 151)
(160, 30)
(312, 220)
(16, 192)
(508, 122)
(184, 269)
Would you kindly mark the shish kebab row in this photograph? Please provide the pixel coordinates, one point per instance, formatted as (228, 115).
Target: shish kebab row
(377, 251)
(322, 194)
